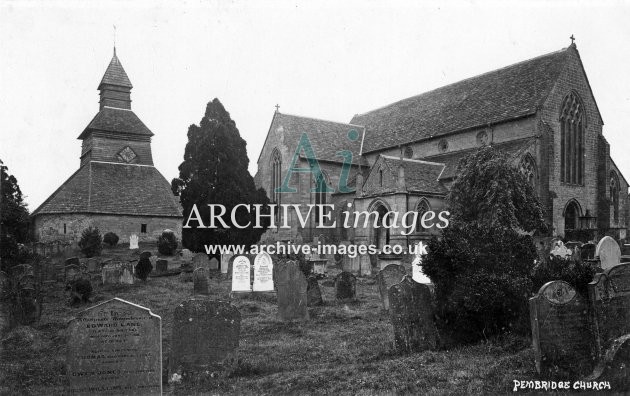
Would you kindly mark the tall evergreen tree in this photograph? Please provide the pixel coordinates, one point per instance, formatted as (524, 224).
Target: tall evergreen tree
(14, 217)
(215, 171)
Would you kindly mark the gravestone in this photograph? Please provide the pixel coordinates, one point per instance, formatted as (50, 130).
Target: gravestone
(558, 249)
(133, 242)
(263, 273)
(291, 284)
(115, 348)
(213, 264)
(387, 277)
(92, 265)
(608, 252)
(587, 251)
(204, 340)
(613, 367)
(71, 272)
(126, 275)
(200, 281)
(225, 262)
(561, 335)
(187, 255)
(241, 278)
(411, 314)
(111, 274)
(313, 293)
(161, 265)
(73, 261)
(346, 287)
(146, 254)
(200, 260)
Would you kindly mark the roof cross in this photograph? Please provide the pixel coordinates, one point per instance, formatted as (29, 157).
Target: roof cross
(572, 39)
(277, 108)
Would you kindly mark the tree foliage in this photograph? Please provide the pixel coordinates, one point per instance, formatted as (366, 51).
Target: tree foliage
(91, 242)
(481, 266)
(215, 171)
(14, 216)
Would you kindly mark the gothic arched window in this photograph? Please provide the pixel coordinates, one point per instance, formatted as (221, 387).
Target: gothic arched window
(276, 176)
(572, 125)
(528, 168)
(321, 186)
(614, 195)
(422, 208)
(571, 216)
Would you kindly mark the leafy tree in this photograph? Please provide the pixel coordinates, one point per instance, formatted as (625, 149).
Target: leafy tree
(214, 171)
(14, 217)
(482, 263)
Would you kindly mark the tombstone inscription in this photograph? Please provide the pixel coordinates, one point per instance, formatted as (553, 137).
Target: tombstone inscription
(263, 273)
(241, 281)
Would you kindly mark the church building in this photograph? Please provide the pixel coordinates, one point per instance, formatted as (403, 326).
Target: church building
(541, 112)
(116, 188)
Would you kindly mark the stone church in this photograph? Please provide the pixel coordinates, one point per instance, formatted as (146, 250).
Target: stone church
(541, 112)
(116, 187)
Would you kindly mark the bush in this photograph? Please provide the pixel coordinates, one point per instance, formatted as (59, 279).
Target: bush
(80, 291)
(167, 243)
(577, 273)
(144, 268)
(111, 239)
(482, 280)
(91, 242)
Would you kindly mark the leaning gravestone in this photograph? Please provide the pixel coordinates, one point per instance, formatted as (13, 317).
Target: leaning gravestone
(608, 252)
(115, 348)
(200, 281)
(387, 277)
(346, 287)
(133, 242)
(161, 265)
(205, 338)
(241, 281)
(292, 285)
(313, 292)
(411, 314)
(561, 335)
(126, 275)
(200, 260)
(263, 273)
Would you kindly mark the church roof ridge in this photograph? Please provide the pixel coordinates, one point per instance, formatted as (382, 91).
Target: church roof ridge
(412, 160)
(115, 74)
(320, 119)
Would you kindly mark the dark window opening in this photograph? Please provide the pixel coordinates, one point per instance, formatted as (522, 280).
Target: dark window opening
(143, 228)
(65, 230)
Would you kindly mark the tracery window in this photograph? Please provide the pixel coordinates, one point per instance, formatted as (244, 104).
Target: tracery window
(321, 186)
(276, 176)
(572, 125)
(422, 208)
(614, 195)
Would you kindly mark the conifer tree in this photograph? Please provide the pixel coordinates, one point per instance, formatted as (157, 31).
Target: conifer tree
(215, 171)
(13, 215)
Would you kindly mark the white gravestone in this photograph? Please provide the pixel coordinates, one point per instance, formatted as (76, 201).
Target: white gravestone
(560, 250)
(609, 252)
(263, 273)
(416, 269)
(241, 269)
(133, 242)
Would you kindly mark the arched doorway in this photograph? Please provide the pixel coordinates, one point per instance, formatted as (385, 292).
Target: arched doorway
(379, 235)
(572, 213)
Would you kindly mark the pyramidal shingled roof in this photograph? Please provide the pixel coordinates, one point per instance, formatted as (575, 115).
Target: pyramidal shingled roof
(115, 74)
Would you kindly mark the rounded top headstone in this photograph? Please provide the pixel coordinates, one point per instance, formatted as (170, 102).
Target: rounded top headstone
(609, 252)
(558, 292)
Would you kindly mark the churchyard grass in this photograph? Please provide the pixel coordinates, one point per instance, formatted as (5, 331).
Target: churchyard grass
(345, 348)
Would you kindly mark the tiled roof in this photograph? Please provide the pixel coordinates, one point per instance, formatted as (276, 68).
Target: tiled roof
(117, 120)
(115, 74)
(118, 189)
(513, 149)
(419, 175)
(326, 137)
(508, 93)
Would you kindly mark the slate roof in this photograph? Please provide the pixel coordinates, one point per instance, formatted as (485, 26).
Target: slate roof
(326, 137)
(511, 92)
(512, 148)
(112, 119)
(115, 74)
(420, 175)
(117, 189)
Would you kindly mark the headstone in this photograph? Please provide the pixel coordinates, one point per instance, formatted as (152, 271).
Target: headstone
(133, 242)
(146, 254)
(411, 314)
(200, 260)
(115, 348)
(111, 274)
(346, 287)
(613, 367)
(161, 265)
(204, 340)
(92, 265)
(587, 251)
(313, 293)
(241, 279)
(225, 262)
(608, 252)
(558, 249)
(187, 255)
(126, 275)
(387, 277)
(73, 261)
(263, 273)
(561, 336)
(200, 281)
(213, 264)
(71, 272)
(291, 284)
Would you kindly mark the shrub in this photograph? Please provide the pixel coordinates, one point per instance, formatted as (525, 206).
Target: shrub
(144, 268)
(80, 291)
(577, 273)
(91, 242)
(111, 239)
(167, 243)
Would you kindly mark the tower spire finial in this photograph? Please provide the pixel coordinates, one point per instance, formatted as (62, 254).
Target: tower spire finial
(114, 40)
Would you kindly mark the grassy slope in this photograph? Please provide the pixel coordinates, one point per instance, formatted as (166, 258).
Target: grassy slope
(344, 348)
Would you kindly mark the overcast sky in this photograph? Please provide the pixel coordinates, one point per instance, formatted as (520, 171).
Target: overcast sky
(327, 60)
